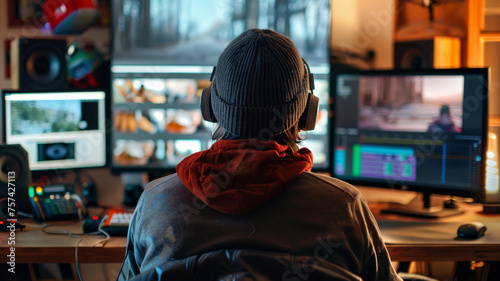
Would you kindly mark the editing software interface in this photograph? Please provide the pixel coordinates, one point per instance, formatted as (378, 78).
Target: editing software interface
(157, 122)
(425, 130)
(160, 65)
(59, 130)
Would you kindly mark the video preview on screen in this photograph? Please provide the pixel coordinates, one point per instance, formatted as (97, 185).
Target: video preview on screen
(52, 116)
(195, 32)
(59, 130)
(411, 103)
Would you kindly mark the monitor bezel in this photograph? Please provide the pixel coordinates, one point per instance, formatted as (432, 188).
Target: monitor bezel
(60, 171)
(476, 193)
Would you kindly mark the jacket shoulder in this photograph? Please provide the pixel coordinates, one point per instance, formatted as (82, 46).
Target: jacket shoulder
(334, 185)
(160, 184)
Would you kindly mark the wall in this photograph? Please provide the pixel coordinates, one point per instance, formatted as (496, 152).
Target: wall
(361, 25)
(492, 54)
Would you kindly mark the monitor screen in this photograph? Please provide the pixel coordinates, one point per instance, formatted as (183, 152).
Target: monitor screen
(419, 129)
(195, 32)
(59, 130)
(163, 55)
(157, 122)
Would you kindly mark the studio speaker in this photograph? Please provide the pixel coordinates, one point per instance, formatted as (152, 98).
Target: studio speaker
(437, 52)
(38, 64)
(15, 177)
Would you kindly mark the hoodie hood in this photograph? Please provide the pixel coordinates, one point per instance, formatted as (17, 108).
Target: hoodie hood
(236, 176)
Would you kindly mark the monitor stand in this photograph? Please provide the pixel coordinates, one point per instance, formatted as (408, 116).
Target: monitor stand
(133, 183)
(445, 208)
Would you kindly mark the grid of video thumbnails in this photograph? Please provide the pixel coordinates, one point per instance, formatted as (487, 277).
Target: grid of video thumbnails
(157, 122)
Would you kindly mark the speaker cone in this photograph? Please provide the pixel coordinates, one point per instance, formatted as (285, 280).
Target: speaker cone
(414, 59)
(9, 164)
(43, 66)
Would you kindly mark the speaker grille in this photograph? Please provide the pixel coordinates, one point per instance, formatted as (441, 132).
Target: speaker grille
(38, 64)
(13, 158)
(9, 163)
(413, 54)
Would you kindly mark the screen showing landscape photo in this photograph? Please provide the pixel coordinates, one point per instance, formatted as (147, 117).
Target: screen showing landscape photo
(51, 116)
(411, 103)
(195, 32)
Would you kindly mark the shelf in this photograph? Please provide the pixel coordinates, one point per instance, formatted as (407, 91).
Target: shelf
(489, 36)
(492, 11)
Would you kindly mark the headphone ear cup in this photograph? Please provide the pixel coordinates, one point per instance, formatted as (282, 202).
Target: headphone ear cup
(206, 105)
(307, 120)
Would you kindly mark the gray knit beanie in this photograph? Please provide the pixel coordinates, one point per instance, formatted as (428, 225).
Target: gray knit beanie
(260, 85)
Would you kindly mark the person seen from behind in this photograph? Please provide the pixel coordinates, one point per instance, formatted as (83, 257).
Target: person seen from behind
(249, 207)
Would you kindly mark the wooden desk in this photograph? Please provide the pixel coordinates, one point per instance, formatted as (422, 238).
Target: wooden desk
(413, 239)
(33, 246)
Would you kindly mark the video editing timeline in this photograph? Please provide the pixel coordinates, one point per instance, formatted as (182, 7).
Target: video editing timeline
(379, 162)
(417, 129)
(59, 130)
(157, 121)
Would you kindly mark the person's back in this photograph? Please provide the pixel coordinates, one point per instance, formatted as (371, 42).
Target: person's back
(248, 208)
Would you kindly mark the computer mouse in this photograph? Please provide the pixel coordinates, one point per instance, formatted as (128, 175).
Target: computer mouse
(472, 230)
(91, 224)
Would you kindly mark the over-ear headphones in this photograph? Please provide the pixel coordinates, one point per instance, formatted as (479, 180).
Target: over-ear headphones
(205, 101)
(307, 120)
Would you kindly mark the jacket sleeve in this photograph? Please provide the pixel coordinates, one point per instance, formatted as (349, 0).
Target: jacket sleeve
(130, 266)
(375, 262)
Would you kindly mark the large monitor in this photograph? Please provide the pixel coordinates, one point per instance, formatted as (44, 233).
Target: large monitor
(163, 55)
(58, 129)
(423, 130)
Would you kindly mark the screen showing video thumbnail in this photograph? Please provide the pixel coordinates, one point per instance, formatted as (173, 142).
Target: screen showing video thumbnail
(152, 90)
(411, 103)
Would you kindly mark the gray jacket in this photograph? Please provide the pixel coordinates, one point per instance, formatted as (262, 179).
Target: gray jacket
(318, 228)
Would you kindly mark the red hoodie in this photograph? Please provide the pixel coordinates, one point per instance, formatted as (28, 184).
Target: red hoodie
(237, 176)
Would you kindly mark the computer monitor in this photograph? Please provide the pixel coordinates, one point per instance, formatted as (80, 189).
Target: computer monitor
(157, 122)
(163, 55)
(422, 130)
(59, 129)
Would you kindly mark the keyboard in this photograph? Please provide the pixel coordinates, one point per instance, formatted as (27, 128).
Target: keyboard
(117, 223)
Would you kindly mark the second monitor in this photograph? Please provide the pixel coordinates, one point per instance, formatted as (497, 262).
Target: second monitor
(422, 130)
(59, 129)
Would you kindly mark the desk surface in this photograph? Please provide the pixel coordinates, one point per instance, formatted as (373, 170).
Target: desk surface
(406, 240)
(34, 246)
(414, 239)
